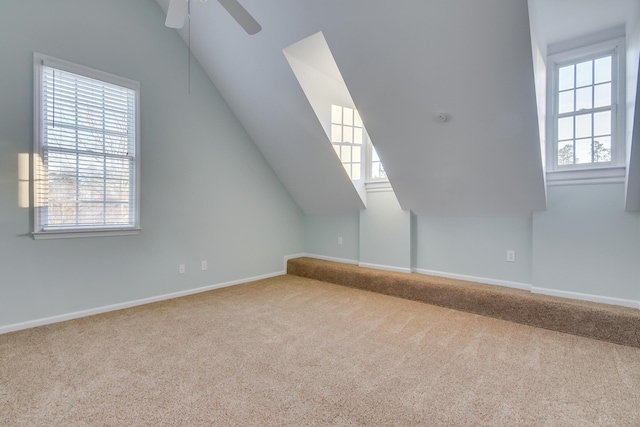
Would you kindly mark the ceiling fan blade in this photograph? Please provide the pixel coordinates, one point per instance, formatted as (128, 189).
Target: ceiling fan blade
(241, 15)
(177, 13)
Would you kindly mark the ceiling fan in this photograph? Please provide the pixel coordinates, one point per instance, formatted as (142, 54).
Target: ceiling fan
(179, 10)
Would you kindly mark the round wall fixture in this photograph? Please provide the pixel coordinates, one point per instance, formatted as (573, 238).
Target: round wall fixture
(441, 117)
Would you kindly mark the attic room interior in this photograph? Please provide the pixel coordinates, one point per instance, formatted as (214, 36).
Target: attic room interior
(174, 274)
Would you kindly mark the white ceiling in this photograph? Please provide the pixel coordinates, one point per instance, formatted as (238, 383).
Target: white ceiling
(563, 20)
(403, 62)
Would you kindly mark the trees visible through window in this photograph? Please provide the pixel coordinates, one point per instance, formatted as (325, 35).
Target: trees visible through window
(584, 90)
(86, 150)
(584, 112)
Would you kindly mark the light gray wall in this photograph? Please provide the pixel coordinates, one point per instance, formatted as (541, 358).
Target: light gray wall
(321, 233)
(207, 192)
(587, 243)
(385, 232)
(475, 246)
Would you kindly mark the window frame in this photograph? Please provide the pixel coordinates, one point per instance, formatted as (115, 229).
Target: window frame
(587, 173)
(40, 61)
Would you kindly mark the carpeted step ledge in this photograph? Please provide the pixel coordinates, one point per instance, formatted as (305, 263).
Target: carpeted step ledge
(620, 325)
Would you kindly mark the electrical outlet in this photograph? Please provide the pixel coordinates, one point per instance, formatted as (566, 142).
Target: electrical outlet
(339, 240)
(511, 255)
(181, 269)
(203, 265)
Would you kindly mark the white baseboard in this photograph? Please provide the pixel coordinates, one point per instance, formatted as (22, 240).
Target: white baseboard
(487, 281)
(327, 258)
(128, 304)
(384, 267)
(586, 297)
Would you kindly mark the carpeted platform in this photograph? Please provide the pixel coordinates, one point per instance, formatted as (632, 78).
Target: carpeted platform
(620, 325)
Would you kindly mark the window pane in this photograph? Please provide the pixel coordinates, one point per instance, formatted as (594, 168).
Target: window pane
(583, 126)
(583, 98)
(602, 149)
(565, 78)
(61, 213)
(90, 189)
(356, 152)
(583, 150)
(336, 114)
(90, 166)
(357, 135)
(377, 171)
(584, 75)
(336, 147)
(355, 171)
(336, 133)
(117, 190)
(60, 137)
(347, 134)
(90, 213)
(565, 153)
(565, 102)
(602, 123)
(357, 121)
(603, 70)
(348, 116)
(345, 154)
(118, 145)
(565, 128)
(602, 95)
(117, 213)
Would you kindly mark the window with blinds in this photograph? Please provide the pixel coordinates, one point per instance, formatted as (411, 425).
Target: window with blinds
(86, 151)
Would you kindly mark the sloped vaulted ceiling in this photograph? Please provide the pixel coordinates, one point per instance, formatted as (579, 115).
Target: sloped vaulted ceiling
(403, 62)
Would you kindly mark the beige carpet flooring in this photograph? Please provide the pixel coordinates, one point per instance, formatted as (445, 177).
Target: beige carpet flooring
(295, 351)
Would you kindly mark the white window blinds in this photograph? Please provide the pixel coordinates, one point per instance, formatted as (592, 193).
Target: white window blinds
(86, 158)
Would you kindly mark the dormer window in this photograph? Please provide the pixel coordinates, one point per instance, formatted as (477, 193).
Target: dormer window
(585, 127)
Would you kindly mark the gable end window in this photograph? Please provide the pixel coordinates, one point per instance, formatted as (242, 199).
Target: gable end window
(586, 127)
(86, 151)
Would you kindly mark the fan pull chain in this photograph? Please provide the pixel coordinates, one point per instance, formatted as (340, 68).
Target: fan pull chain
(189, 43)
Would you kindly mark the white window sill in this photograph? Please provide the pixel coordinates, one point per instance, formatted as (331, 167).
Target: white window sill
(70, 234)
(612, 175)
(378, 186)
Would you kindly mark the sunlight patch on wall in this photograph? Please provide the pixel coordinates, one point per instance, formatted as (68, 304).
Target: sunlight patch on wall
(23, 180)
